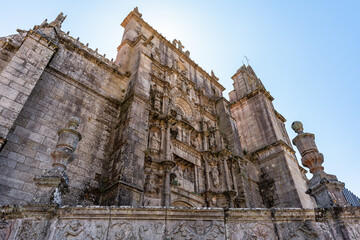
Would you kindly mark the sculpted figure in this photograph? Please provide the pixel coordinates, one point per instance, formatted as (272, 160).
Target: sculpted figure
(188, 174)
(215, 176)
(178, 172)
(155, 141)
(195, 142)
(212, 141)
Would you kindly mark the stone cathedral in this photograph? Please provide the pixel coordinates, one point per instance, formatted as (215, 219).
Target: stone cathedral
(146, 147)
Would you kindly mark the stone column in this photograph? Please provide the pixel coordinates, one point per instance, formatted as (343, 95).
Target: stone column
(325, 188)
(168, 165)
(227, 178)
(54, 182)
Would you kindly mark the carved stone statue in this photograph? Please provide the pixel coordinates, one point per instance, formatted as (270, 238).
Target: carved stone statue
(189, 174)
(178, 172)
(212, 141)
(215, 176)
(195, 142)
(155, 141)
(156, 97)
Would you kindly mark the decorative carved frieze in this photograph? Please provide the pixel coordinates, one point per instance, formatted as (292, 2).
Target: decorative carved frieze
(198, 230)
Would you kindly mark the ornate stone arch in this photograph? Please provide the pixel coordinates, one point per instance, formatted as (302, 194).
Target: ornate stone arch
(184, 107)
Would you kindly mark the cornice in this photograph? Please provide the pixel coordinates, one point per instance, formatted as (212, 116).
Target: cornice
(250, 95)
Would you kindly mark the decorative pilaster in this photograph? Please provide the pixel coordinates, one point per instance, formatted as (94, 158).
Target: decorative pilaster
(168, 165)
(53, 184)
(325, 188)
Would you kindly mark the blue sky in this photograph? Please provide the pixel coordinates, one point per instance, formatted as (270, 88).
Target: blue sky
(307, 53)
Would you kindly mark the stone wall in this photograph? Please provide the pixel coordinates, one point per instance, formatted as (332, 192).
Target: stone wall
(32, 222)
(73, 83)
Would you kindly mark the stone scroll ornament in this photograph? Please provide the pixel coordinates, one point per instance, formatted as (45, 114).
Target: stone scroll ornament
(53, 184)
(199, 230)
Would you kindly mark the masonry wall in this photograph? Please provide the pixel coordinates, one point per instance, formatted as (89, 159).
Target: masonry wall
(77, 84)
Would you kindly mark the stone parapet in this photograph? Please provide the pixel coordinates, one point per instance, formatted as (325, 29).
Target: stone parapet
(95, 222)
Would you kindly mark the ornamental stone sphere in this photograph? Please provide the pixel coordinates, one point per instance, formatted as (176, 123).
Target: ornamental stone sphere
(297, 126)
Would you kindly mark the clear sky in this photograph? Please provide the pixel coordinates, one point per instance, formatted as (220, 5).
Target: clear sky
(307, 53)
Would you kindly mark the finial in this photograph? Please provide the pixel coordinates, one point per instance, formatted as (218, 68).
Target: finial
(297, 127)
(136, 11)
(247, 60)
(44, 23)
(58, 20)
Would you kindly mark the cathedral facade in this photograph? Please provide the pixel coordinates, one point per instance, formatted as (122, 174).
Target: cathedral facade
(146, 147)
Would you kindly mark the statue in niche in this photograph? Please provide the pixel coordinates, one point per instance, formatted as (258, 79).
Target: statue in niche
(212, 141)
(188, 174)
(175, 64)
(174, 131)
(195, 142)
(215, 176)
(185, 137)
(155, 141)
(178, 172)
(156, 98)
(205, 126)
(150, 184)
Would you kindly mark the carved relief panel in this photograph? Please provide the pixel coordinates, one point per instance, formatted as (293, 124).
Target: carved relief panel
(197, 230)
(259, 231)
(183, 174)
(153, 182)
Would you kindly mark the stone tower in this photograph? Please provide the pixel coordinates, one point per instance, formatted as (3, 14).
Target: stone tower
(263, 136)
